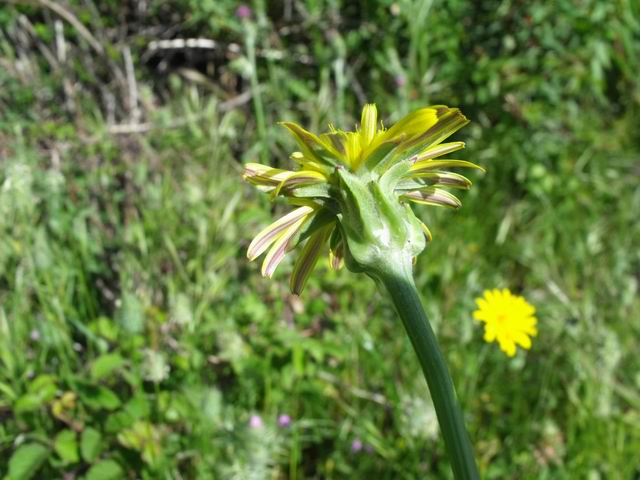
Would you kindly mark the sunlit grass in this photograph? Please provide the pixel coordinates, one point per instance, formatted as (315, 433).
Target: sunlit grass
(124, 284)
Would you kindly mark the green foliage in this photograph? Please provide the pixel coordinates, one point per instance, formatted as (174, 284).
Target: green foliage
(66, 446)
(26, 461)
(136, 340)
(105, 470)
(90, 444)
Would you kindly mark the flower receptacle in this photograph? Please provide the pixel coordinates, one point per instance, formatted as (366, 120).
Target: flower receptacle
(380, 233)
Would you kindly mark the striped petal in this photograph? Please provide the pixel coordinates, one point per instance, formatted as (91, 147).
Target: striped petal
(308, 259)
(409, 127)
(308, 163)
(280, 247)
(418, 132)
(426, 179)
(299, 179)
(416, 123)
(450, 120)
(430, 165)
(439, 150)
(312, 146)
(269, 235)
(432, 196)
(264, 175)
(336, 257)
(337, 139)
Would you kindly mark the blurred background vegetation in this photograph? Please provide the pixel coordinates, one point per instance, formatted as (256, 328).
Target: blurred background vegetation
(137, 342)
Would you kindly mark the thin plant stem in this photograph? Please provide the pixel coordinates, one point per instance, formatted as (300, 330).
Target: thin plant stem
(403, 292)
(255, 91)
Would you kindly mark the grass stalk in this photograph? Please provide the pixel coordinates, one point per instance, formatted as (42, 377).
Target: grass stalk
(255, 92)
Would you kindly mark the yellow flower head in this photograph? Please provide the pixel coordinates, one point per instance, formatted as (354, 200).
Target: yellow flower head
(507, 318)
(338, 169)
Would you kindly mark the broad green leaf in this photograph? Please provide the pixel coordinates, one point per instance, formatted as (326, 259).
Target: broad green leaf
(28, 403)
(40, 382)
(118, 421)
(138, 406)
(40, 391)
(98, 397)
(66, 446)
(105, 365)
(90, 444)
(144, 438)
(106, 328)
(26, 461)
(105, 470)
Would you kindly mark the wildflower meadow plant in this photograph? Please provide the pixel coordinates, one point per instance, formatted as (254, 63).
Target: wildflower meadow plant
(353, 191)
(508, 319)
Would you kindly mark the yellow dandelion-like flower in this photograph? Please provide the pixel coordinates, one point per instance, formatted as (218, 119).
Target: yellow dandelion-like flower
(507, 318)
(404, 162)
(352, 193)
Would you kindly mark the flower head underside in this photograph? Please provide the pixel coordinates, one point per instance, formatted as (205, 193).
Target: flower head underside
(352, 189)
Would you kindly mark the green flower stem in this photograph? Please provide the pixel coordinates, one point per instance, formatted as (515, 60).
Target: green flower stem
(404, 295)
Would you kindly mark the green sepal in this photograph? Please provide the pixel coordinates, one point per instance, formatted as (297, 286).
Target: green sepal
(393, 175)
(320, 190)
(381, 157)
(321, 219)
(377, 229)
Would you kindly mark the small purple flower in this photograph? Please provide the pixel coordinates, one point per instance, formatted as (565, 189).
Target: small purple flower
(255, 421)
(284, 420)
(34, 335)
(401, 80)
(356, 445)
(243, 11)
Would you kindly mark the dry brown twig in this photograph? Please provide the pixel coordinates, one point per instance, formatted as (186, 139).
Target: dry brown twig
(65, 14)
(134, 107)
